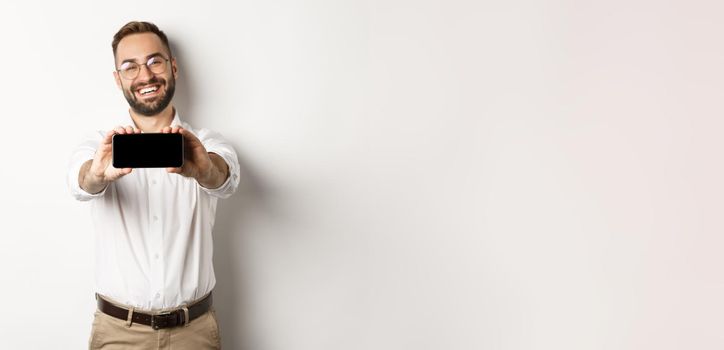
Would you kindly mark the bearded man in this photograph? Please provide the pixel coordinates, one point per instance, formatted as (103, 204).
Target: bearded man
(153, 244)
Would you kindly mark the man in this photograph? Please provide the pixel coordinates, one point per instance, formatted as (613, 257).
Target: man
(154, 272)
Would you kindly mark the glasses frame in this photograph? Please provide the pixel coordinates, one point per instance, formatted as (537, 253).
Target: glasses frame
(166, 61)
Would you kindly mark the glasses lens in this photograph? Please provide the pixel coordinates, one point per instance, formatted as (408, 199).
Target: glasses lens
(129, 70)
(156, 65)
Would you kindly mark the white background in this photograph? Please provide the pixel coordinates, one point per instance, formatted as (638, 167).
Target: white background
(420, 175)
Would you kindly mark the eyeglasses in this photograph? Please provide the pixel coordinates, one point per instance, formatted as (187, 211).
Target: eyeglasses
(156, 64)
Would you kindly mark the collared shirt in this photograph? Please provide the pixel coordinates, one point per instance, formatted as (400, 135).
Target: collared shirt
(153, 244)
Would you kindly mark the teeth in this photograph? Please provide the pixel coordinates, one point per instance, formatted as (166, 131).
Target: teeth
(148, 90)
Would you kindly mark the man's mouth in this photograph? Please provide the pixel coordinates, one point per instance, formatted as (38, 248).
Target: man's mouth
(148, 91)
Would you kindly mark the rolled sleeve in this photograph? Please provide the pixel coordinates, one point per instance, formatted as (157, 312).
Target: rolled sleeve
(81, 154)
(215, 143)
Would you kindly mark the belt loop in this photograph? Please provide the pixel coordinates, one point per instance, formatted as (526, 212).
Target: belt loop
(129, 321)
(187, 321)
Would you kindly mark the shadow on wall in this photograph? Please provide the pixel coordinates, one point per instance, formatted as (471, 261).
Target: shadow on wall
(232, 257)
(183, 97)
(234, 218)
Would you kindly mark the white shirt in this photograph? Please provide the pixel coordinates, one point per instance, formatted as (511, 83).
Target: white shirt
(153, 244)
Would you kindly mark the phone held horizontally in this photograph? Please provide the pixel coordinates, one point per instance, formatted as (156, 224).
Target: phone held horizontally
(148, 150)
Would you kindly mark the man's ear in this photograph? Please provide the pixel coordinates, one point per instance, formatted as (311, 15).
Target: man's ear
(118, 80)
(174, 68)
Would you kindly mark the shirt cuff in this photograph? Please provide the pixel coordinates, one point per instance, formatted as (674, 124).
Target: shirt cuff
(232, 181)
(78, 192)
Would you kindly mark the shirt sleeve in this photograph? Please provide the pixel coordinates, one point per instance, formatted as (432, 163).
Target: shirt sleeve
(82, 153)
(215, 143)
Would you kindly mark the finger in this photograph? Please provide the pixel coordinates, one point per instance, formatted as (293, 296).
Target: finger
(187, 134)
(166, 129)
(129, 130)
(175, 129)
(116, 173)
(109, 137)
(122, 171)
(105, 148)
(120, 130)
(173, 170)
(136, 130)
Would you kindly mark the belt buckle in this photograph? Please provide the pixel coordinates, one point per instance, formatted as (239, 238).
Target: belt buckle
(162, 320)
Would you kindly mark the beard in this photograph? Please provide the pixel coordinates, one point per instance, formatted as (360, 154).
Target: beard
(155, 106)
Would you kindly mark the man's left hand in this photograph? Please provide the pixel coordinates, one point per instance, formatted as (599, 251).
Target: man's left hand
(198, 163)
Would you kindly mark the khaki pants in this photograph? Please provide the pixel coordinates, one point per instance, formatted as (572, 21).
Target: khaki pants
(110, 333)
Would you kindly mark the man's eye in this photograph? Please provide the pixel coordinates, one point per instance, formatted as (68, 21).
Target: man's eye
(130, 69)
(154, 61)
(129, 66)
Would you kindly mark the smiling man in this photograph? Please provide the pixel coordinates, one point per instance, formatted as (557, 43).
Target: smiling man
(154, 273)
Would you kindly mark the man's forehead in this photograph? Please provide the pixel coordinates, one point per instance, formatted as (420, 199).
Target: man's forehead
(139, 46)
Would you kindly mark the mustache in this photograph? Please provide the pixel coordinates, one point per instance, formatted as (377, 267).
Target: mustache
(153, 80)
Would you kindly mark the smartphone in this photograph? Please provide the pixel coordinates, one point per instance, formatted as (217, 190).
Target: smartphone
(152, 150)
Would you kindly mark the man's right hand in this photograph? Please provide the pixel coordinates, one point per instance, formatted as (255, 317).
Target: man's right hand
(95, 175)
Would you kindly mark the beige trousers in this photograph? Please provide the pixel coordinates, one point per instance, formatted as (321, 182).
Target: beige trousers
(110, 333)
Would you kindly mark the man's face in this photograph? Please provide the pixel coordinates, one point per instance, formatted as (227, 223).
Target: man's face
(139, 91)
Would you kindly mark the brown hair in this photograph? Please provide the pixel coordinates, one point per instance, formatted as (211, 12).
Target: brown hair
(135, 27)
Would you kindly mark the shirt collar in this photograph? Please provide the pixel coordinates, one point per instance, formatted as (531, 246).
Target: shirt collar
(176, 120)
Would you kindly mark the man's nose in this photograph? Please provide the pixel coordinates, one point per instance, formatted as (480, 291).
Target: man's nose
(144, 73)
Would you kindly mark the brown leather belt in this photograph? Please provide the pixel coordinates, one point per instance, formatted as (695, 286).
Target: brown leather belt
(163, 320)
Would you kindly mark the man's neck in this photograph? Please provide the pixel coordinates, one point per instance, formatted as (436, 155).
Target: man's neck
(153, 123)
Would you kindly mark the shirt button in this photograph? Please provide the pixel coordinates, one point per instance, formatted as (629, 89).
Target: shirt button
(153, 182)
(155, 218)
(158, 295)
(156, 256)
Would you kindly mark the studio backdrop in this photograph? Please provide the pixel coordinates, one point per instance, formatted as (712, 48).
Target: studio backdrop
(428, 175)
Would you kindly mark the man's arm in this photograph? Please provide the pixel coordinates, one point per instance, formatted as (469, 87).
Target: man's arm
(217, 174)
(87, 181)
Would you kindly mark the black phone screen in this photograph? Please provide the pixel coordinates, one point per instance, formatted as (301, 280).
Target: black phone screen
(153, 150)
